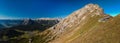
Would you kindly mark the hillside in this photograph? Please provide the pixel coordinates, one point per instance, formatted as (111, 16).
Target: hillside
(103, 32)
(87, 25)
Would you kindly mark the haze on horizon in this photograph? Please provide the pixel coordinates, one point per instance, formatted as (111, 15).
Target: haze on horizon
(12, 9)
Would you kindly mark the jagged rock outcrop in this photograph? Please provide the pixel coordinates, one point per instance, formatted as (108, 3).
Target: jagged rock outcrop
(104, 19)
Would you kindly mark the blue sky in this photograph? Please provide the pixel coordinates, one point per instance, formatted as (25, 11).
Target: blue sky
(10, 9)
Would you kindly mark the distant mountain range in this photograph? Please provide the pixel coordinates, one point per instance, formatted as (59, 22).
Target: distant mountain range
(12, 23)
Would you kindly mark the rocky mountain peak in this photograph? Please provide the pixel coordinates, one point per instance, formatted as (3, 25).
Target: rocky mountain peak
(78, 17)
(84, 19)
(90, 8)
(27, 21)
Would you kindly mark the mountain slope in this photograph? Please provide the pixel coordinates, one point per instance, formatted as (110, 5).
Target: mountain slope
(87, 25)
(107, 32)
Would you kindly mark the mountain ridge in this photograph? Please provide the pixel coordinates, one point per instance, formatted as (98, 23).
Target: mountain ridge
(67, 30)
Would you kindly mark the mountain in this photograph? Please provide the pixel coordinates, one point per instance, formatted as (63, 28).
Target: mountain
(87, 25)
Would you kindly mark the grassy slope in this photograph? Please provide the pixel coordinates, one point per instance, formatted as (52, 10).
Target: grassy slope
(93, 31)
(107, 32)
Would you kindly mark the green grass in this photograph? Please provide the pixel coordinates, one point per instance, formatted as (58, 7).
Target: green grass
(107, 32)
